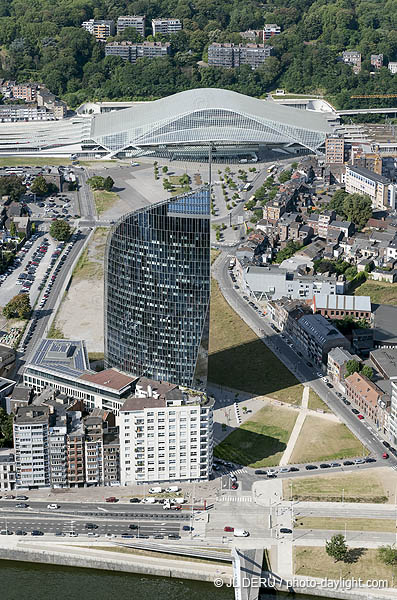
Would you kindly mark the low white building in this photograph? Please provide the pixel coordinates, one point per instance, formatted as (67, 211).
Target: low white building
(165, 434)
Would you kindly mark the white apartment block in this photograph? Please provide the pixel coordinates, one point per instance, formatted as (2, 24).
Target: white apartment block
(392, 66)
(31, 445)
(133, 21)
(270, 29)
(382, 191)
(58, 453)
(165, 434)
(393, 411)
(100, 29)
(166, 26)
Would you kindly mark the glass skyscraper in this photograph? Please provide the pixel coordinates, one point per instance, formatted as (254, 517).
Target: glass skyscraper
(157, 290)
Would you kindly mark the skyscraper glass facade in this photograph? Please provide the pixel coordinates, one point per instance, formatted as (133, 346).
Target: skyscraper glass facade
(157, 291)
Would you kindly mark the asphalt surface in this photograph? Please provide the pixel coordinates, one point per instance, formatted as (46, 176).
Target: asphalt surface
(84, 195)
(297, 365)
(43, 314)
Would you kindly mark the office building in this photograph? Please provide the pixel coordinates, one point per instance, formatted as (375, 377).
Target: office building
(100, 29)
(136, 22)
(270, 30)
(230, 55)
(165, 434)
(157, 290)
(380, 189)
(131, 51)
(166, 26)
(377, 60)
(335, 150)
(63, 366)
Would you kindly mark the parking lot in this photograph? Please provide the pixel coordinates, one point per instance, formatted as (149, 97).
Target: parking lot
(58, 205)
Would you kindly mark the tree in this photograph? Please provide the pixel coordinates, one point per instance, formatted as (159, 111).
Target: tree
(367, 371)
(12, 186)
(60, 230)
(165, 169)
(337, 201)
(285, 176)
(357, 208)
(288, 251)
(352, 366)
(108, 184)
(39, 186)
(96, 182)
(6, 430)
(13, 229)
(336, 547)
(17, 307)
(388, 555)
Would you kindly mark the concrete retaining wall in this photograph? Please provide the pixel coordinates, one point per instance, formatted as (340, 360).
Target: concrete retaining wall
(133, 565)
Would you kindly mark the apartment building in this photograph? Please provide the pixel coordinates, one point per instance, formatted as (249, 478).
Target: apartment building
(315, 337)
(367, 396)
(392, 66)
(63, 365)
(335, 150)
(353, 59)
(270, 30)
(93, 437)
(7, 470)
(57, 449)
(131, 51)
(7, 360)
(285, 313)
(100, 29)
(165, 434)
(341, 306)
(75, 452)
(134, 21)
(336, 365)
(31, 446)
(166, 26)
(20, 112)
(377, 60)
(380, 189)
(231, 55)
(111, 457)
(24, 91)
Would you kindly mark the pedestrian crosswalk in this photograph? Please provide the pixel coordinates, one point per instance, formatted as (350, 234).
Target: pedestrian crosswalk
(236, 498)
(237, 471)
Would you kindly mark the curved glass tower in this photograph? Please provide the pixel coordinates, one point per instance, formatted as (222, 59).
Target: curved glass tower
(157, 291)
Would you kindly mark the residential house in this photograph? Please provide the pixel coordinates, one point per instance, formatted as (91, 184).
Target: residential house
(367, 396)
(336, 365)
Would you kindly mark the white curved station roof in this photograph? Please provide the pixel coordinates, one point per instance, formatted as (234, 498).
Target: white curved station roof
(203, 115)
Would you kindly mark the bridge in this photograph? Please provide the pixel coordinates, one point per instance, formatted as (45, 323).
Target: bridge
(367, 111)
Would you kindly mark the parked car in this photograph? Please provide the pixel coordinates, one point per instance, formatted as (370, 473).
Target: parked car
(228, 529)
(111, 499)
(285, 530)
(311, 467)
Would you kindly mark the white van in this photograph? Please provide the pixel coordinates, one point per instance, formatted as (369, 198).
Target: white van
(149, 501)
(172, 488)
(156, 490)
(180, 500)
(240, 533)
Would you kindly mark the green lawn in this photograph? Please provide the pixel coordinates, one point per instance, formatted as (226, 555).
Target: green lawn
(315, 402)
(32, 161)
(104, 200)
(321, 439)
(362, 486)
(380, 292)
(363, 563)
(260, 441)
(238, 359)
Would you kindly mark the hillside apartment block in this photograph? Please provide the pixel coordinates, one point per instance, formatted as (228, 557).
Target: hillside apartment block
(231, 55)
(380, 189)
(131, 51)
(166, 26)
(100, 29)
(134, 21)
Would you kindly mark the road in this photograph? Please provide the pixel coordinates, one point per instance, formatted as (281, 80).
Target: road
(85, 199)
(295, 363)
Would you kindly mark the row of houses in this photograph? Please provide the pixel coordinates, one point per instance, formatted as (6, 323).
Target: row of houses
(354, 59)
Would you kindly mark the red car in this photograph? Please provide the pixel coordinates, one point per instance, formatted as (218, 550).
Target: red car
(111, 499)
(227, 528)
(234, 485)
(385, 455)
(360, 417)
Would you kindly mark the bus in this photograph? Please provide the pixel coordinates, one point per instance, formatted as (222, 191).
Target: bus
(247, 187)
(232, 263)
(271, 168)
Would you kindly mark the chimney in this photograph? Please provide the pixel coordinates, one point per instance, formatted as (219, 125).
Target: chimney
(149, 391)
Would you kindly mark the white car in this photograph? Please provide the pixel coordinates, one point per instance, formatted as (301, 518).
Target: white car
(53, 506)
(93, 534)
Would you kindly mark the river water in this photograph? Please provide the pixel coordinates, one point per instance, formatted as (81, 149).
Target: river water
(28, 581)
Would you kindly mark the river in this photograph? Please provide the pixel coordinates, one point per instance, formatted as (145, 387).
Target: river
(28, 581)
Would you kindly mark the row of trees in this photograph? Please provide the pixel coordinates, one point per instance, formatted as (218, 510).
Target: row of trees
(353, 207)
(44, 41)
(97, 182)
